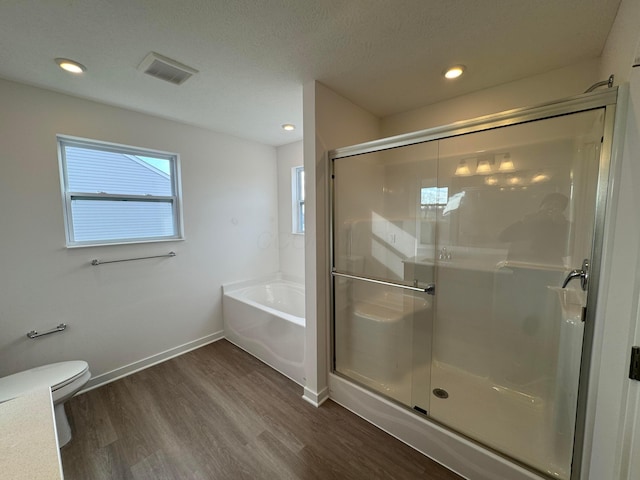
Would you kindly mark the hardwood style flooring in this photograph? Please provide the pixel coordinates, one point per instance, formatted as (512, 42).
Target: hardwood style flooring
(219, 413)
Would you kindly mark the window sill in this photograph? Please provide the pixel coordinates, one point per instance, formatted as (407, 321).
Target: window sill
(136, 242)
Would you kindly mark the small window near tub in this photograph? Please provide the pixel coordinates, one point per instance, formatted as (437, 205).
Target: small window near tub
(118, 194)
(297, 187)
(433, 197)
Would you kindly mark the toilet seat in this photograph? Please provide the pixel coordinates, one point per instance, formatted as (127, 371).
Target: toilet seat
(55, 375)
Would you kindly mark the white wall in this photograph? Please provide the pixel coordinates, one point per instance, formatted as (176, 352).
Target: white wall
(556, 84)
(121, 313)
(291, 245)
(330, 121)
(616, 430)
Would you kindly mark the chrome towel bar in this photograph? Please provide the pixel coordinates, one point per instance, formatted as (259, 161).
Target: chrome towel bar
(35, 334)
(95, 261)
(429, 289)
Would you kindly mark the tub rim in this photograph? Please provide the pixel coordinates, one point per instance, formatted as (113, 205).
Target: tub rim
(229, 290)
(278, 276)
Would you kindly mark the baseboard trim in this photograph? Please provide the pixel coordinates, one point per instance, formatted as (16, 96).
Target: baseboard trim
(315, 399)
(147, 362)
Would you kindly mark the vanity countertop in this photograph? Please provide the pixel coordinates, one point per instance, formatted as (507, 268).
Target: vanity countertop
(28, 441)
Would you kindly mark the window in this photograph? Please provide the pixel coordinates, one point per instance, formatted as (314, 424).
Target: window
(433, 196)
(433, 201)
(298, 199)
(118, 194)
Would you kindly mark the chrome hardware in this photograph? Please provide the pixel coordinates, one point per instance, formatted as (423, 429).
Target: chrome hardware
(440, 393)
(608, 82)
(430, 289)
(35, 334)
(573, 274)
(95, 261)
(582, 274)
(444, 255)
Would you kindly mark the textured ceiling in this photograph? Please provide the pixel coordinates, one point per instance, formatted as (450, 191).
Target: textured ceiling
(254, 55)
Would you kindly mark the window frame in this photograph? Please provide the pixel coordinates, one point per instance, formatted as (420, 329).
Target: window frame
(175, 200)
(298, 199)
(439, 191)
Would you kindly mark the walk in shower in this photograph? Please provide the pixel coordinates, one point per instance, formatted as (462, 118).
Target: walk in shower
(465, 273)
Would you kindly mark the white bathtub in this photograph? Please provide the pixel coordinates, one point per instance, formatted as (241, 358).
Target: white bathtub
(266, 318)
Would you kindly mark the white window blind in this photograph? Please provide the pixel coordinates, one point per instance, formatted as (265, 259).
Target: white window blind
(118, 194)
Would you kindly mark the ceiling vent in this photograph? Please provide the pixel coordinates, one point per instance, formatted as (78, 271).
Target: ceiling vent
(166, 69)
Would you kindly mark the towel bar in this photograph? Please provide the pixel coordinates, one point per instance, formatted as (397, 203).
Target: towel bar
(95, 261)
(35, 334)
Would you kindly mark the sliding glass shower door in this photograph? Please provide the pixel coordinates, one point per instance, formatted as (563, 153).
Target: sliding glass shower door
(507, 337)
(449, 264)
(384, 240)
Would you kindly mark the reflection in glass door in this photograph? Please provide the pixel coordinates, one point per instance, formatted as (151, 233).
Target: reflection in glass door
(495, 220)
(507, 338)
(381, 233)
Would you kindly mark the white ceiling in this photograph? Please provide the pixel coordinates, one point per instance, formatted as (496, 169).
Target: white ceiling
(254, 55)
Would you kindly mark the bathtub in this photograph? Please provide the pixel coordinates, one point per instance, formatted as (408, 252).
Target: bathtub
(265, 317)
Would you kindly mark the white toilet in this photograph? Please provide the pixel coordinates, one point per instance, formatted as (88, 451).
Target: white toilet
(64, 378)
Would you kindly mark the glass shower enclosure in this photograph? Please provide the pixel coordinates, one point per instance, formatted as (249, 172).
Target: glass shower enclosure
(465, 263)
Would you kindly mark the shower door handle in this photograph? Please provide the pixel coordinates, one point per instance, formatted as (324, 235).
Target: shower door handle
(581, 273)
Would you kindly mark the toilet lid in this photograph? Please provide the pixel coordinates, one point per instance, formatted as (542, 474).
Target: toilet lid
(54, 375)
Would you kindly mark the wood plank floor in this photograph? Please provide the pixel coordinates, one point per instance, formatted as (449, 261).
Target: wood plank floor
(219, 413)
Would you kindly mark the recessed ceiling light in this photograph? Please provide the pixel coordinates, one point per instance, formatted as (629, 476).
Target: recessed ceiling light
(288, 127)
(70, 65)
(454, 72)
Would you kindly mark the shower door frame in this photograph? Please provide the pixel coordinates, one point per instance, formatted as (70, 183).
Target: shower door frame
(607, 100)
